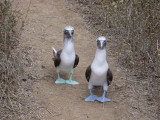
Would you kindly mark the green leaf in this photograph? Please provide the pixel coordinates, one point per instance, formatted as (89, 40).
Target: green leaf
(114, 3)
(121, 1)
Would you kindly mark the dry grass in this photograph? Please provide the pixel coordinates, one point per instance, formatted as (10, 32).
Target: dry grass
(134, 27)
(11, 66)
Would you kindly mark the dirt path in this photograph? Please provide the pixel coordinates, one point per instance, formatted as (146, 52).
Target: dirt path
(44, 25)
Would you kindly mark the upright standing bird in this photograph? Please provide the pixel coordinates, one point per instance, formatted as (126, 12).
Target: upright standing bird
(98, 73)
(66, 59)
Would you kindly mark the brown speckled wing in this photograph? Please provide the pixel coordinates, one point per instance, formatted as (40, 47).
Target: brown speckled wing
(57, 59)
(88, 73)
(109, 77)
(76, 61)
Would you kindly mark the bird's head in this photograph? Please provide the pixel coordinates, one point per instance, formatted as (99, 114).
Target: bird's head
(68, 32)
(101, 42)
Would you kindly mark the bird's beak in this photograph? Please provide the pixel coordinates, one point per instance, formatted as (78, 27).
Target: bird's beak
(101, 44)
(70, 34)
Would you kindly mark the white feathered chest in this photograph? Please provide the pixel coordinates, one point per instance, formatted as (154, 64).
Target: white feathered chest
(99, 69)
(67, 56)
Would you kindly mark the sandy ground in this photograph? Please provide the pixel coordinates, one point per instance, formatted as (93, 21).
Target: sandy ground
(44, 24)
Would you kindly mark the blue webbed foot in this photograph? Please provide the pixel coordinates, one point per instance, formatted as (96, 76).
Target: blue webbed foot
(103, 99)
(91, 98)
(60, 81)
(71, 82)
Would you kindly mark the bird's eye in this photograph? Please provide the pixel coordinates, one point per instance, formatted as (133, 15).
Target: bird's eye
(65, 31)
(98, 41)
(72, 32)
(104, 42)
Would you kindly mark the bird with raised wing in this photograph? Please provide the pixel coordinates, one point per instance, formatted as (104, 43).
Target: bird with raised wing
(66, 59)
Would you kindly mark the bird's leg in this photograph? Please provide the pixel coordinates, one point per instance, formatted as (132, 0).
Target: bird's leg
(70, 81)
(59, 80)
(103, 98)
(92, 97)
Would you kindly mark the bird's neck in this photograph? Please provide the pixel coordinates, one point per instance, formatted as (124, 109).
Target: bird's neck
(68, 45)
(100, 57)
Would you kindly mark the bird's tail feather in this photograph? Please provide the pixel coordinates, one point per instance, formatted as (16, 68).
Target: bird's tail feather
(54, 51)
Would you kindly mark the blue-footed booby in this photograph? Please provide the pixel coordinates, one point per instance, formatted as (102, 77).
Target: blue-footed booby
(66, 59)
(98, 73)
